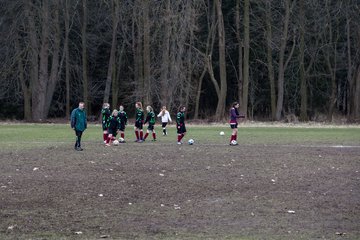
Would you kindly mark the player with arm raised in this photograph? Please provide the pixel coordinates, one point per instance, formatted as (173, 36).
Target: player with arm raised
(165, 118)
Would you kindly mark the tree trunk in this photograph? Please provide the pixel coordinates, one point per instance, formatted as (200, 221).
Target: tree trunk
(198, 94)
(280, 99)
(84, 58)
(245, 93)
(137, 36)
(240, 52)
(164, 77)
(25, 89)
(331, 66)
(350, 78)
(357, 96)
(303, 84)
(270, 60)
(111, 65)
(116, 81)
(67, 58)
(54, 74)
(147, 58)
(34, 53)
(220, 109)
(39, 91)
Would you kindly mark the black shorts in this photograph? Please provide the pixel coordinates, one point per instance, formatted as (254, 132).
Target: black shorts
(112, 131)
(234, 125)
(164, 124)
(122, 128)
(151, 127)
(139, 125)
(104, 127)
(181, 129)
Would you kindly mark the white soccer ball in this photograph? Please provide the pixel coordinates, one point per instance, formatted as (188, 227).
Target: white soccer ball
(191, 141)
(234, 142)
(222, 133)
(115, 142)
(121, 140)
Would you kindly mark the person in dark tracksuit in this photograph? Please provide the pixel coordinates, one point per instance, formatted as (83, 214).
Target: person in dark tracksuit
(79, 124)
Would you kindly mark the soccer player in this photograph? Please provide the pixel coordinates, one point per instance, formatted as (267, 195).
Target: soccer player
(113, 127)
(180, 124)
(139, 120)
(150, 118)
(234, 115)
(123, 121)
(79, 124)
(105, 113)
(165, 118)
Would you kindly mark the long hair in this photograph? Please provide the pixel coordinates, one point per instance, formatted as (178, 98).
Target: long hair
(163, 111)
(114, 112)
(149, 109)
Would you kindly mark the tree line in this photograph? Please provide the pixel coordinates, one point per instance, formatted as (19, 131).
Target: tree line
(276, 58)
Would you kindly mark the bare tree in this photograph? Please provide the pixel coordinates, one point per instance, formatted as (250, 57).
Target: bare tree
(245, 87)
(240, 51)
(331, 57)
(270, 65)
(84, 57)
(111, 68)
(282, 62)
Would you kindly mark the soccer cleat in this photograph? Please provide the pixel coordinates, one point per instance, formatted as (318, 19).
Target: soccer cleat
(179, 143)
(137, 140)
(140, 141)
(154, 140)
(107, 145)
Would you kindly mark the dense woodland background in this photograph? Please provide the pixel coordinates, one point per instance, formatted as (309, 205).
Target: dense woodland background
(278, 58)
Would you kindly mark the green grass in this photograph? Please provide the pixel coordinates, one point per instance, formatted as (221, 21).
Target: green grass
(45, 135)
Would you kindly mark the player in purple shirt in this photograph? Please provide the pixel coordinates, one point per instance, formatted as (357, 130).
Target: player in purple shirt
(234, 115)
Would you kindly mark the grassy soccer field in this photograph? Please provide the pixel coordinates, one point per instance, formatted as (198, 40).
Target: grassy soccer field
(280, 182)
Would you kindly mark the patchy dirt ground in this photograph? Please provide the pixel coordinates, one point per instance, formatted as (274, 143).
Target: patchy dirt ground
(165, 191)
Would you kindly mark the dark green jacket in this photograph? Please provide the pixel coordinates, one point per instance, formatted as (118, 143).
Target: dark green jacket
(150, 118)
(78, 119)
(139, 115)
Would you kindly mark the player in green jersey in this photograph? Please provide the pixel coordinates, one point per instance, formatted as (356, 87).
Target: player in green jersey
(150, 118)
(180, 124)
(139, 121)
(123, 122)
(105, 115)
(113, 127)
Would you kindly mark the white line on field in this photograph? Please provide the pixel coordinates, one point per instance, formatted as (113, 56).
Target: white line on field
(206, 144)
